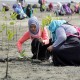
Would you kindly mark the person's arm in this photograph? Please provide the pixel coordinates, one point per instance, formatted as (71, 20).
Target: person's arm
(25, 37)
(61, 36)
(45, 36)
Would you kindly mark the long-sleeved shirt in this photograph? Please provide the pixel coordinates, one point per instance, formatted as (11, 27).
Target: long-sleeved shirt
(43, 34)
(62, 32)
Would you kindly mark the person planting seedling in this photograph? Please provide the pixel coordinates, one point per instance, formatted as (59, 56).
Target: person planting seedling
(39, 37)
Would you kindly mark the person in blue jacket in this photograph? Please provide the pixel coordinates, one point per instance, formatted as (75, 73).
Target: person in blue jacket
(19, 11)
(65, 48)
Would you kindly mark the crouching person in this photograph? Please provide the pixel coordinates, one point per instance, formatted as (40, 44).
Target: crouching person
(66, 46)
(39, 37)
(5, 6)
(19, 11)
(28, 10)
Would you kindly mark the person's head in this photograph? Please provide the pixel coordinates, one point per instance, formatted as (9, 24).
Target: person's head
(19, 4)
(14, 6)
(64, 5)
(33, 25)
(72, 1)
(29, 7)
(55, 24)
(59, 4)
(68, 4)
(3, 4)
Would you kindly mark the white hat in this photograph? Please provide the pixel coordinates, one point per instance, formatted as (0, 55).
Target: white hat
(3, 4)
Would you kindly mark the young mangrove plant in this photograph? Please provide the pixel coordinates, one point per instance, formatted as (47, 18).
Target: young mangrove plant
(3, 26)
(13, 22)
(47, 20)
(9, 36)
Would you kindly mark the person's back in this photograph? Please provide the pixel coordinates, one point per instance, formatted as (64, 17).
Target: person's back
(29, 10)
(19, 11)
(66, 46)
(19, 5)
(67, 9)
(22, 3)
(51, 6)
(72, 4)
(59, 10)
(42, 4)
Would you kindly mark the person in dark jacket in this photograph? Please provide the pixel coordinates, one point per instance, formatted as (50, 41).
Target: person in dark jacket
(29, 10)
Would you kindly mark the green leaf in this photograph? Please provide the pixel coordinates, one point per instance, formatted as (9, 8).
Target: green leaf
(3, 26)
(22, 52)
(3, 10)
(10, 34)
(5, 18)
(46, 21)
(13, 16)
(43, 6)
(11, 23)
(0, 31)
(35, 10)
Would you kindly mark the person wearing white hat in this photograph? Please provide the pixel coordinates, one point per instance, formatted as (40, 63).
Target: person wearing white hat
(5, 6)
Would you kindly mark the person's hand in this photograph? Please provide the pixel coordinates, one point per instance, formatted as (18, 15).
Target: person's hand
(40, 39)
(19, 51)
(50, 48)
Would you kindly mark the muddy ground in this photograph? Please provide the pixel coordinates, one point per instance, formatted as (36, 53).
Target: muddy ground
(27, 69)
